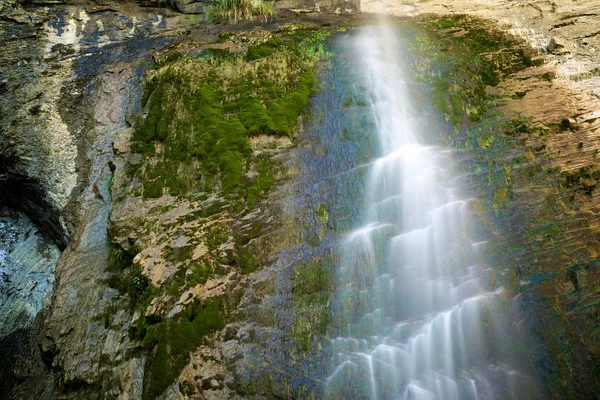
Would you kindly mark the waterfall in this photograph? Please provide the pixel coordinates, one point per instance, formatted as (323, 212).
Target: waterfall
(416, 313)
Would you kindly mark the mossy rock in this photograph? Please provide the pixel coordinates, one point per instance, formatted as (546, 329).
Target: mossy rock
(169, 343)
(460, 67)
(202, 113)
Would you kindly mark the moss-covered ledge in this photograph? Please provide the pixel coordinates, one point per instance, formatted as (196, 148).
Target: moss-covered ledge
(193, 210)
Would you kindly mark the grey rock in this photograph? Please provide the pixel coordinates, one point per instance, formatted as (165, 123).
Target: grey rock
(560, 45)
(190, 6)
(27, 261)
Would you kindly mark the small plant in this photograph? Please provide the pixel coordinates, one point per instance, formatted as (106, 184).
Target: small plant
(239, 10)
(56, 380)
(217, 236)
(264, 9)
(119, 258)
(138, 283)
(247, 262)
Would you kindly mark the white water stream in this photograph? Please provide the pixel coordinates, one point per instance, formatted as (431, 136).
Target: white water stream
(419, 318)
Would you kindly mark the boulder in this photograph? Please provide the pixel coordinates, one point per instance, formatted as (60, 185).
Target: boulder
(560, 45)
(190, 6)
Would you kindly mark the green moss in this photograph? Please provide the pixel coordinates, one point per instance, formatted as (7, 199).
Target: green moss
(146, 149)
(284, 112)
(584, 180)
(520, 95)
(458, 68)
(132, 283)
(153, 188)
(489, 76)
(201, 271)
(439, 97)
(323, 213)
(183, 253)
(502, 196)
(311, 291)
(247, 262)
(169, 343)
(349, 100)
(548, 76)
(311, 280)
(217, 236)
(485, 141)
(457, 108)
(264, 49)
(260, 185)
(448, 22)
(303, 334)
(204, 126)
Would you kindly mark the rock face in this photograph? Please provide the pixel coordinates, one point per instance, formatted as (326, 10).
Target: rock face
(172, 266)
(38, 153)
(27, 261)
(203, 229)
(60, 75)
(43, 163)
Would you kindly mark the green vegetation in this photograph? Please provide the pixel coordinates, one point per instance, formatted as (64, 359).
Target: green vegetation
(548, 76)
(311, 292)
(460, 57)
(194, 140)
(179, 254)
(118, 258)
(201, 113)
(264, 180)
(584, 180)
(459, 67)
(263, 49)
(239, 10)
(169, 343)
(217, 236)
(502, 196)
(126, 276)
(133, 283)
(201, 271)
(247, 262)
(311, 282)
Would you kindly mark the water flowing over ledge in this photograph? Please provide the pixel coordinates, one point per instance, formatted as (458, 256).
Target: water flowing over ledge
(417, 315)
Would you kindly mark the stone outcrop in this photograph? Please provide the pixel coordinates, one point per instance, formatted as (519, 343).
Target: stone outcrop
(71, 99)
(64, 97)
(27, 261)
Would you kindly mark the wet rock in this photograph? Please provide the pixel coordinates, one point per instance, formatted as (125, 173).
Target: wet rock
(27, 262)
(190, 6)
(88, 91)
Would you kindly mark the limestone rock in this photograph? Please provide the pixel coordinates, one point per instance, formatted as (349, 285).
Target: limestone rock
(559, 45)
(27, 262)
(190, 6)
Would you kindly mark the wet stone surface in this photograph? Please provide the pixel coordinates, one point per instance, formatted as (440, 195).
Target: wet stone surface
(27, 261)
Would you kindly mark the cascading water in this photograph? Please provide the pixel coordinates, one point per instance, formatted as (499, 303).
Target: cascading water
(417, 316)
